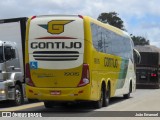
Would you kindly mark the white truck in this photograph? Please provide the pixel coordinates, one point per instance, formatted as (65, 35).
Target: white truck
(12, 46)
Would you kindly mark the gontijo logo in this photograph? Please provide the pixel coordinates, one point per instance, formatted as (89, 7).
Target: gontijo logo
(56, 26)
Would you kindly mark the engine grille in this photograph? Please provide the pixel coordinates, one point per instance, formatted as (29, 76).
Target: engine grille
(55, 55)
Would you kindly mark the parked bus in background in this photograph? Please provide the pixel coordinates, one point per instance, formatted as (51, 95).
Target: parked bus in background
(73, 58)
(147, 71)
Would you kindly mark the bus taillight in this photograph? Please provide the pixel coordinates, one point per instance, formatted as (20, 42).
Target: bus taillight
(28, 76)
(80, 16)
(153, 75)
(33, 17)
(85, 76)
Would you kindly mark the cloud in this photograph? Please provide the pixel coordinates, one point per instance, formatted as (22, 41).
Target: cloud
(140, 16)
(93, 8)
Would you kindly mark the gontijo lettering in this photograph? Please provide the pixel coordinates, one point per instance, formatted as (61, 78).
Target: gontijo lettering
(57, 45)
(110, 62)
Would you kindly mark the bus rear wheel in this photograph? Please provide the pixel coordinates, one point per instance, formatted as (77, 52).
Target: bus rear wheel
(104, 98)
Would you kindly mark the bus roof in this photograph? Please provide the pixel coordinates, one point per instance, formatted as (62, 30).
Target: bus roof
(109, 27)
(147, 48)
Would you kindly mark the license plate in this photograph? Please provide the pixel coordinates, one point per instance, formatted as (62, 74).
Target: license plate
(55, 92)
(143, 76)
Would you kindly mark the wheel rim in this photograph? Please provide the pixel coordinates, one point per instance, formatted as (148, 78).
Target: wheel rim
(18, 96)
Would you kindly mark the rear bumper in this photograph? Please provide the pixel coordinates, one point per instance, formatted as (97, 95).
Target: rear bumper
(148, 85)
(66, 94)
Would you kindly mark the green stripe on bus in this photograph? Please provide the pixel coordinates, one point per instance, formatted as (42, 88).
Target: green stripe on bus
(122, 73)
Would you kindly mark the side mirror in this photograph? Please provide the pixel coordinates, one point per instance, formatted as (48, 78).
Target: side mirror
(137, 56)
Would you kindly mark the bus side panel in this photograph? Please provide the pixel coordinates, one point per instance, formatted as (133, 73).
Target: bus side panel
(100, 67)
(105, 70)
(88, 57)
(107, 65)
(126, 75)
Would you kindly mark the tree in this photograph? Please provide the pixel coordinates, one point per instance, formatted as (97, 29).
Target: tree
(139, 40)
(112, 19)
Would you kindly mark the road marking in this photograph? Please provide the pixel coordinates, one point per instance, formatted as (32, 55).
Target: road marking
(22, 107)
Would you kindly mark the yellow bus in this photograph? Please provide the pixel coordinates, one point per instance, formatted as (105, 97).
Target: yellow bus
(74, 58)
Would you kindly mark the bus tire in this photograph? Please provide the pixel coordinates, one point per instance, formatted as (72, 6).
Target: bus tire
(98, 104)
(48, 104)
(106, 96)
(126, 96)
(18, 96)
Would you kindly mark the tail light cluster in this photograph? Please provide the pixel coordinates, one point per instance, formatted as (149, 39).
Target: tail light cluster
(85, 79)
(153, 75)
(33, 17)
(28, 76)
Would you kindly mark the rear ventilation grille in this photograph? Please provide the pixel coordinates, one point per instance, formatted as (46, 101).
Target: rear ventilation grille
(55, 55)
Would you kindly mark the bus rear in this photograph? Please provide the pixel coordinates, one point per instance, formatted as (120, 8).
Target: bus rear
(147, 70)
(55, 68)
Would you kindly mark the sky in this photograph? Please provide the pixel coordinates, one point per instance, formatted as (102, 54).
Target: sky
(141, 17)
